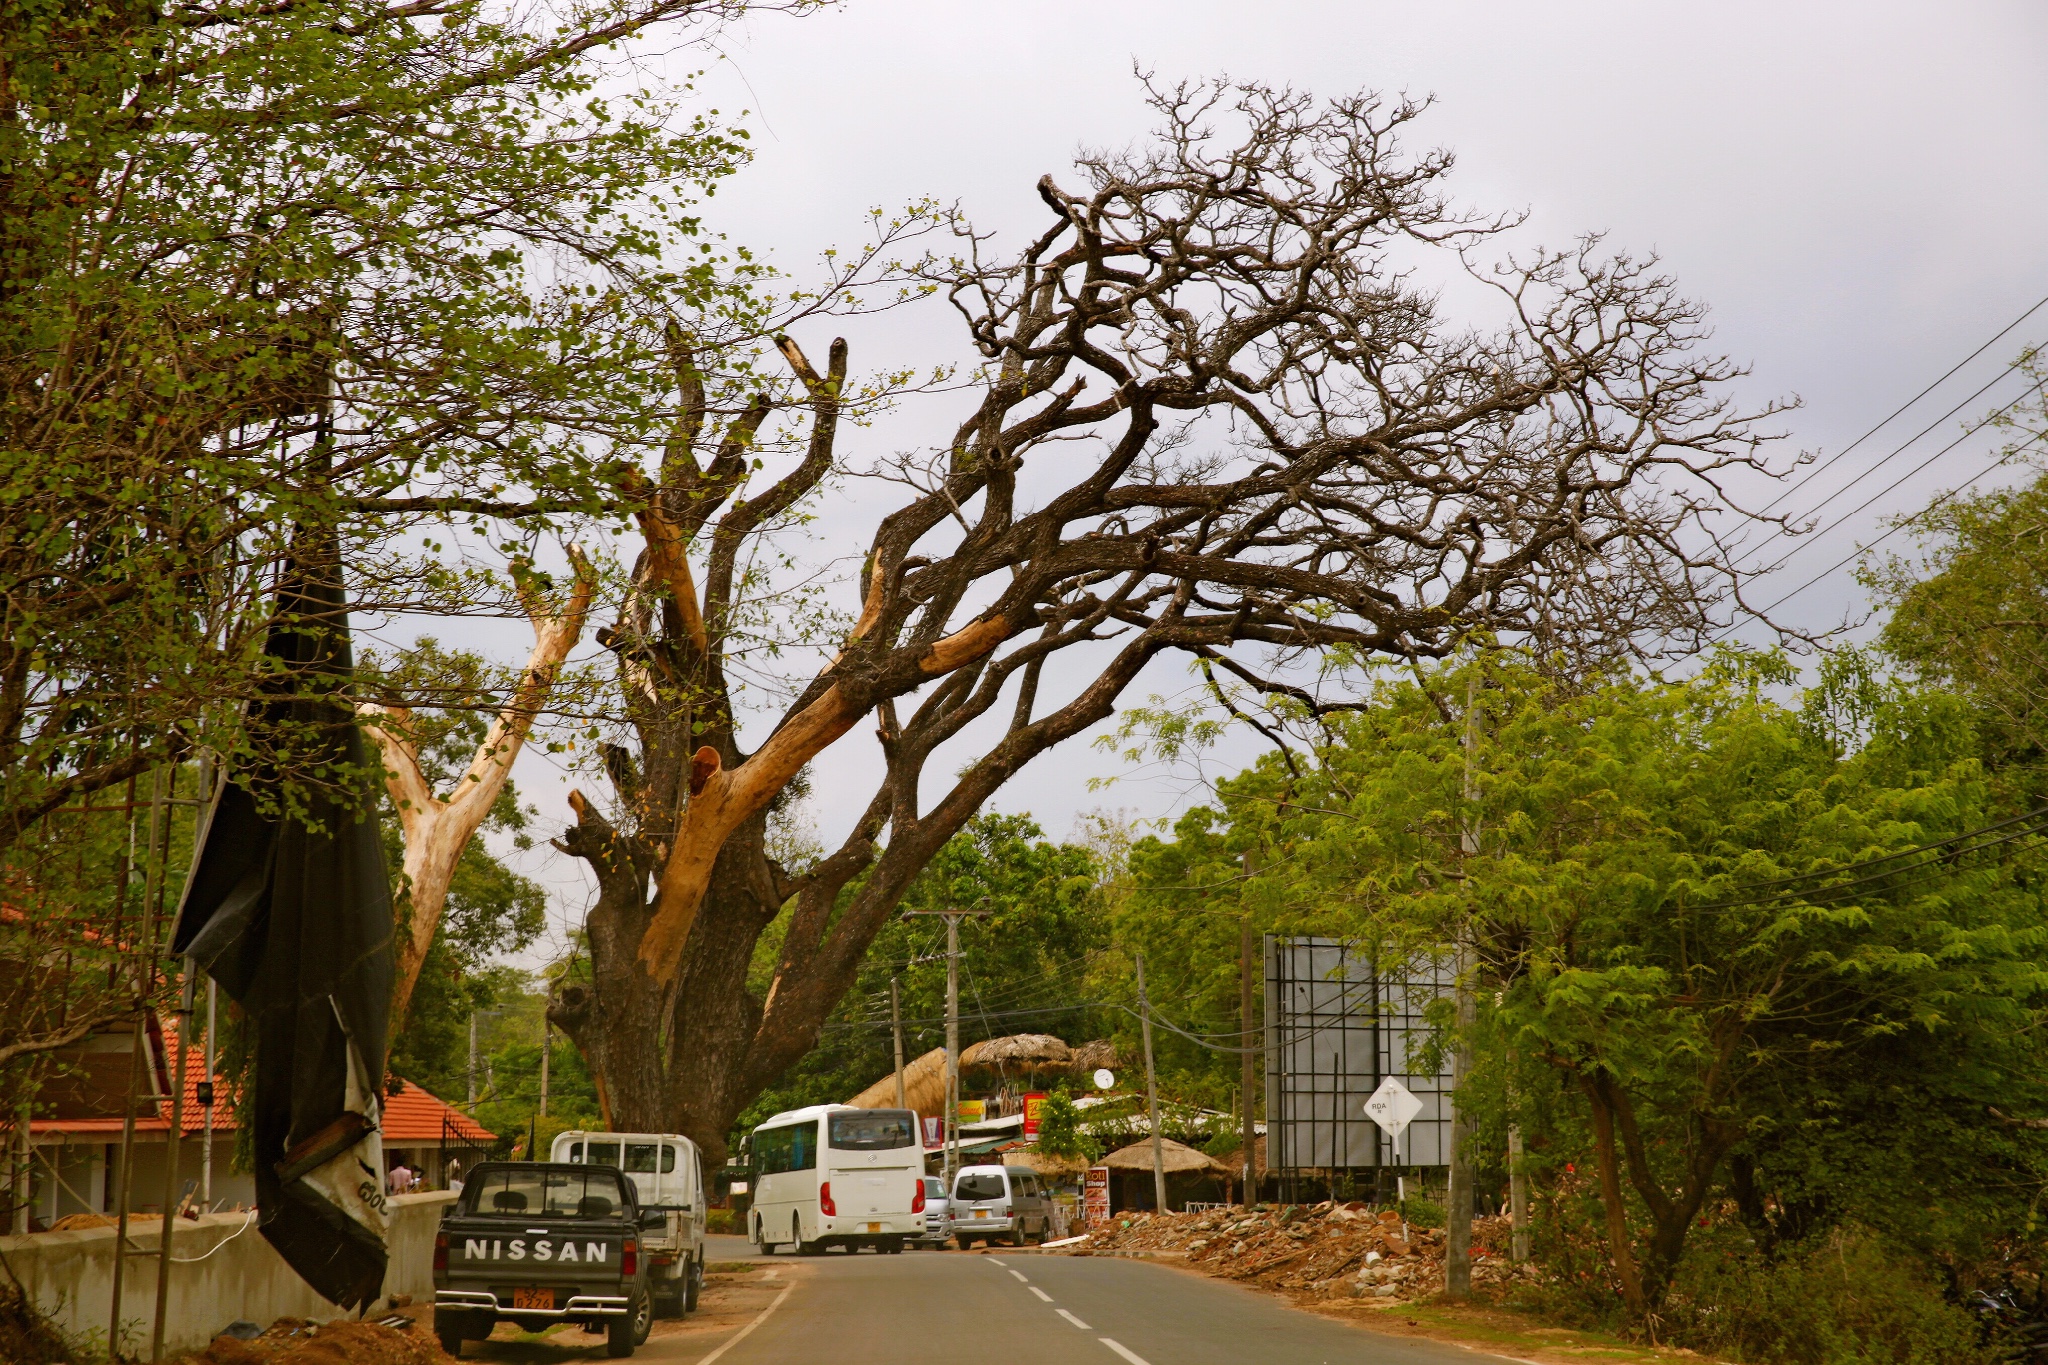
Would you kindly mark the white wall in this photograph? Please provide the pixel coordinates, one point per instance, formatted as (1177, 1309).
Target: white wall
(222, 1271)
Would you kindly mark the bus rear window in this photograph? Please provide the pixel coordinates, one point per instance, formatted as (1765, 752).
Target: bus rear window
(872, 1130)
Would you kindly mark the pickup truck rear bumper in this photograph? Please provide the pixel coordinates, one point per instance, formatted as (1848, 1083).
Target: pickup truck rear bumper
(581, 1306)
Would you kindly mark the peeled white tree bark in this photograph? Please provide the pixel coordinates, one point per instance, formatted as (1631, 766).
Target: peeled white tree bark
(438, 828)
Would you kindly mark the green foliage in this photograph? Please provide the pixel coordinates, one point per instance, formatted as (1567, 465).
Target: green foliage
(1060, 1132)
(1655, 1002)
(1970, 619)
(220, 228)
(1848, 1299)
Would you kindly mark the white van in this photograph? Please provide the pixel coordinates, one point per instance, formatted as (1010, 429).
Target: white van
(666, 1175)
(833, 1175)
(998, 1204)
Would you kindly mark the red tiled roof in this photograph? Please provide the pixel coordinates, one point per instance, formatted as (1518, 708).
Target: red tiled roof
(413, 1117)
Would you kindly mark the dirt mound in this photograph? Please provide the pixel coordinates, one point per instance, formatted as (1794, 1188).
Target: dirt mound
(1335, 1250)
(291, 1341)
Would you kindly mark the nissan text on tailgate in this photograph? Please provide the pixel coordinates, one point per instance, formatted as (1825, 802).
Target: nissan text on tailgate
(539, 1243)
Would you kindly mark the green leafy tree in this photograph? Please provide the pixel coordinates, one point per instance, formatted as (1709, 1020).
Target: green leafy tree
(336, 265)
(1676, 986)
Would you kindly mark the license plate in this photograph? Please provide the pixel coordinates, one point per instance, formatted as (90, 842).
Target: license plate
(874, 1227)
(533, 1298)
(981, 1213)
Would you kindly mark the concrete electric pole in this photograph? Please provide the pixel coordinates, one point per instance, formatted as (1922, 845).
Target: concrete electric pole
(952, 918)
(1151, 1095)
(896, 1028)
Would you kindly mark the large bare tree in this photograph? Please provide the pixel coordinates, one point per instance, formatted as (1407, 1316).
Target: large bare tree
(1217, 415)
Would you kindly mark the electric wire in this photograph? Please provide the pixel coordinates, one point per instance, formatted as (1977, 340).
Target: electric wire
(1843, 520)
(1823, 467)
(1895, 528)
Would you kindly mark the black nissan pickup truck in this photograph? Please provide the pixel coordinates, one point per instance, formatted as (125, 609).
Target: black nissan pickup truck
(538, 1243)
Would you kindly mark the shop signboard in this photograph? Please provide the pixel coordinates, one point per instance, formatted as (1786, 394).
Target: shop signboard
(934, 1132)
(1034, 1103)
(1095, 1196)
(970, 1111)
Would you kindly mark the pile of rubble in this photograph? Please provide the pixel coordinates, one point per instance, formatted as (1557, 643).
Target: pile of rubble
(1332, 1250)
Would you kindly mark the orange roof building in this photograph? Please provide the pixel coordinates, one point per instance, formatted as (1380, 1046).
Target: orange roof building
(77, 1141)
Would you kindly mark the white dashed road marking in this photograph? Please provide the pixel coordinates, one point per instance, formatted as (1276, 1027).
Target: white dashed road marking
(1126, 1352)
(993, 1261)
(1041, 1293)
(1076, 1321)
(1020, 1277)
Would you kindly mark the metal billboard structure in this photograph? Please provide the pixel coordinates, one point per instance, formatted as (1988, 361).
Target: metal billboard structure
(1335, 1030)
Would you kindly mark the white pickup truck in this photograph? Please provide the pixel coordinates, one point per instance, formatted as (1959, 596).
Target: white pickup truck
(667, 1175)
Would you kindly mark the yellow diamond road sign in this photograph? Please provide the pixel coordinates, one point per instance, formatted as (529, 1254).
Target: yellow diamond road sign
(1392, 1106)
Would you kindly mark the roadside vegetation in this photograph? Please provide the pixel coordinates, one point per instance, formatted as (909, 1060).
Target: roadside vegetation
(1752, 947)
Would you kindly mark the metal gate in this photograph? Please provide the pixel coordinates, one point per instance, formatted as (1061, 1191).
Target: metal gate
(1335, 1029)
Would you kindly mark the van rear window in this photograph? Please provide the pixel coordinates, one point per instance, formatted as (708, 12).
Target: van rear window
(978, 1185)
(872, 1130)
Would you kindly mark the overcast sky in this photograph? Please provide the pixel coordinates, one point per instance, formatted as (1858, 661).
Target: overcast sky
(1856, 190)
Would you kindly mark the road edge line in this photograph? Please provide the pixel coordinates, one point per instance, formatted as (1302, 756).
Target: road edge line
(746, 1331)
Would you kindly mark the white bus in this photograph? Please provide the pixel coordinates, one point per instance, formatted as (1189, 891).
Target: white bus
(833, 1175)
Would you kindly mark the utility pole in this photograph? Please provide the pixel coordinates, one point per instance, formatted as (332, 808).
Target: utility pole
(163, 1250)
(1518, 1197)
(1247, 1063)
(144, 986)
(952, 917)
(208, 1097)
(1458, 1217)
(896, 1027)
(472, 1059)
(546, 1041)
(1151, 1095)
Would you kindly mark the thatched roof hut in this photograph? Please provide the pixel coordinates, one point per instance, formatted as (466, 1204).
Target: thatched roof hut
(1179, 1159)
(1092, 1056)
(924, 1087)
(1020, 1056)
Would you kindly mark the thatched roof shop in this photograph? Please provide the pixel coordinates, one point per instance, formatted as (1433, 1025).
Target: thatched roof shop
(1090, 1057)
(1019, 1056)
(924, 1087)
(1179, 1159)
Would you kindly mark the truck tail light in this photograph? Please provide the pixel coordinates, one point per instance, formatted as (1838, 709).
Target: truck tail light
(917, 1200)
(440, 1251)
(825, 1205)
(629, 1259)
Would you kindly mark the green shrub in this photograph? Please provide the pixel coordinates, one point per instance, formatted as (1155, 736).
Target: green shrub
(1846, 1300)
(1419, 1212)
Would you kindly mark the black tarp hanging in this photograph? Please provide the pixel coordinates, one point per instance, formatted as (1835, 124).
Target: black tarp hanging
(289, 909)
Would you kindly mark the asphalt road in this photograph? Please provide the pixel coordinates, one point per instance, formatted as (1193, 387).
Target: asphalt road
(1060, 1310)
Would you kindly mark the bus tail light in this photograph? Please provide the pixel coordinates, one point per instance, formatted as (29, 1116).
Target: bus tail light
(440, 1251)
(917, 1200)
(825, 1205)
(629, 1259)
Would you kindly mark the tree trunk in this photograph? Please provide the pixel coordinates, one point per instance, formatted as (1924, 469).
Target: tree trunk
(1618, 1246)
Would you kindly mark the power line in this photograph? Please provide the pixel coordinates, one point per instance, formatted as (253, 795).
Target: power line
(1823, 467)
(1908, 444)
(1895, 529)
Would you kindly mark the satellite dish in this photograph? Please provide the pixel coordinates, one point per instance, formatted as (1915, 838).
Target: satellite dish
(1104, 1078)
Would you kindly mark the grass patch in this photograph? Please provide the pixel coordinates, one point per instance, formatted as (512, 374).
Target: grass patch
(1517, 1333)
